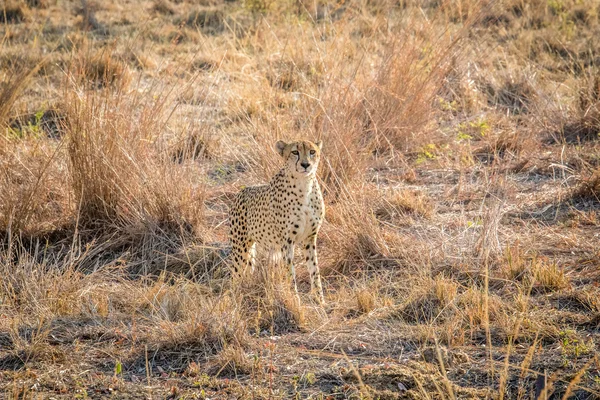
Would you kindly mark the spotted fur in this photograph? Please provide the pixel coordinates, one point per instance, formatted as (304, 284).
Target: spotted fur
(287, 211)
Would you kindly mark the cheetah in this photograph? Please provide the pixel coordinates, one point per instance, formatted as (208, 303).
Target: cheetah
(287, 211)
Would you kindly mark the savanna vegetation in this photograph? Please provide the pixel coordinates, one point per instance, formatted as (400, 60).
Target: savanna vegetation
(461, 174)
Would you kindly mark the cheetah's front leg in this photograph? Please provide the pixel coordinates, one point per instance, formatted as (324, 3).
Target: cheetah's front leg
(288, 255)
(310, 252)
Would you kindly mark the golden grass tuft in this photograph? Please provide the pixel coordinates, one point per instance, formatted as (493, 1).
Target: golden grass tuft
(589, 188)
(549, 277)
(581, 130)
(358, 241)
(178, 344)
(195, 145)
(87, 17)
(97, 159)
(139, 59)
(99, 152)
(33, 199)
(366, 300)
(291, 75)
(432, 300)
(406, 202)
(11, 88)
(103, 69)
(534, 272)
(513, 95)
(270, 297)
(231, 361)
(30, 197)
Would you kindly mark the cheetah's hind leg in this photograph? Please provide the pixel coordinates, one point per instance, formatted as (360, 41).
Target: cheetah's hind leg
(242, 255)
(252, 259)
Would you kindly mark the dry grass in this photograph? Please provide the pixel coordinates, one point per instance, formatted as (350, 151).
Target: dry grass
(103, 69)
(460, 171)
(13, 12)
(589, 188)
(406, 202)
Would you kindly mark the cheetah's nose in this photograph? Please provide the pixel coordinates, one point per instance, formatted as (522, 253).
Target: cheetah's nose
(305, 165)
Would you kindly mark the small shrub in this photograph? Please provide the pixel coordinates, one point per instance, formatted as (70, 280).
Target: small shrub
(573, 346)
(203, 64)
(49, 122)
(258, 6)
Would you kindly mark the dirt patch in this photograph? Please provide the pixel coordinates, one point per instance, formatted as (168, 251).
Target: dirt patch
(50, 122)
(410, 381)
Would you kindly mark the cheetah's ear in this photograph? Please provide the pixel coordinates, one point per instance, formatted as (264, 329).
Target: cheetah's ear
(319, 144)
(280, 146)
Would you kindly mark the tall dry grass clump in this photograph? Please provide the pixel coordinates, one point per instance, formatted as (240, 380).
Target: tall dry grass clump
(13, 84)
(398, 103)
(34, 193)
(118, 171)
(357, 241)
(190, 325)
(386, 108)
(361, 100)
(30, 181)
(106, 142)
(122, 178)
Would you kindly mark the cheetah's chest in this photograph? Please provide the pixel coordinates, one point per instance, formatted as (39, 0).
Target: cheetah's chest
(304, 218)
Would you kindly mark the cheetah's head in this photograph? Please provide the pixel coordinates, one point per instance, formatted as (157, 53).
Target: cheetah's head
(301, 158)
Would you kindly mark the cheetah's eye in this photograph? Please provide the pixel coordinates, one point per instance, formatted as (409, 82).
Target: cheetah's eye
(312, 152)
(295, 153)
